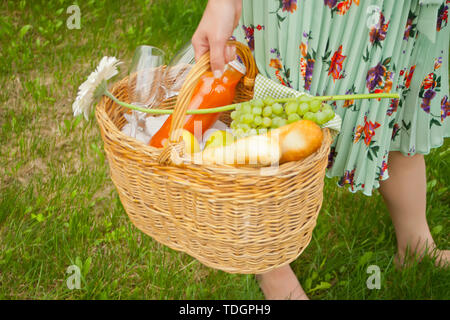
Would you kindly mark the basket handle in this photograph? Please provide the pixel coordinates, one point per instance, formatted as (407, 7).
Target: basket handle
(173, 151)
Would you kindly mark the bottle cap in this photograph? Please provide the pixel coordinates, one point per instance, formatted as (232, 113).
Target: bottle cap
(238, 65)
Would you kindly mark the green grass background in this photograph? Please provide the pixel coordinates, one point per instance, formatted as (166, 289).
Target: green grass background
(58, 206)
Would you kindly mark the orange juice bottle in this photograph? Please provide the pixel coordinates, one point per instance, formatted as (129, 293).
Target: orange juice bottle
(209, 93)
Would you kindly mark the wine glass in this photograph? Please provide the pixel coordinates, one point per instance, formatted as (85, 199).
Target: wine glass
(145, 82)
(177, 70)
(146, 76)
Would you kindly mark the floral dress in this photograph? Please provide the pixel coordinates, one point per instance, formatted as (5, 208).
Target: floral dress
(327, 47)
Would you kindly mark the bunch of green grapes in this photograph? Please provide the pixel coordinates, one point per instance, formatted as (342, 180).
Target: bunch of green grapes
(260, 115)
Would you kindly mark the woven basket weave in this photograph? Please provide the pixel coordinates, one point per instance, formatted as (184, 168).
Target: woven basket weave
(230, 218)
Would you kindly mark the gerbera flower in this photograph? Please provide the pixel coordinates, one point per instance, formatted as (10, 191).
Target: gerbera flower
(94, 86)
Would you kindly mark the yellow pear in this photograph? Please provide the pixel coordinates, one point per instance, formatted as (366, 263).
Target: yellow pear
(191, 144)
(219, 138)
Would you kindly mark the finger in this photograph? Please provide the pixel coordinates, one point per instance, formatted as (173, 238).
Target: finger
(217, 56)
(200, 45)
(231, 53)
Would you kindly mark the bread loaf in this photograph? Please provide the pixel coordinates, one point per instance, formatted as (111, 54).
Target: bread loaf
(291, 142)
(298, 140)
(260, 150)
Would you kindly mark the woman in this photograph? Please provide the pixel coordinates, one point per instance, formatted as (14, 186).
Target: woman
(336, 46)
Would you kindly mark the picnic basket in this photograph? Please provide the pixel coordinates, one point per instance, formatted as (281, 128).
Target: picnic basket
(235, 219)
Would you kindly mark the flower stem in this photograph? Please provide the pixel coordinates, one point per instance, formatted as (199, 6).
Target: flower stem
(133, 107)
(233, 106)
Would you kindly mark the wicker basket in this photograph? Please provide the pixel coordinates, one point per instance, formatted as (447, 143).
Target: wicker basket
(230, 218)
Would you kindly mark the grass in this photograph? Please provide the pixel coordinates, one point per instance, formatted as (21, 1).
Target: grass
(58, 206)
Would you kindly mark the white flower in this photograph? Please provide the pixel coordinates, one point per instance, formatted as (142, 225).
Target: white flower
(94, 86)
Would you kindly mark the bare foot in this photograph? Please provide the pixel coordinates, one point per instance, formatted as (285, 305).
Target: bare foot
(281, 284)
(442, 258)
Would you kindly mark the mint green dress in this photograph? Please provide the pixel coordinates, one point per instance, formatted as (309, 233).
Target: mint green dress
(327, 47)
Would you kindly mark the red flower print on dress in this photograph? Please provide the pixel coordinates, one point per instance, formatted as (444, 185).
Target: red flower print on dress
(384, 167)
(281, 73)
(348, 178)
(388, 81)
(429, 82)
(445, 108)
(303, 49)
(344, 6)
(307, 62)
(367, 131)
(428, 90)
(379, 78)
(378, 32)
(442, 17)
(276, 63)
(426, 100)
(393, 107)
(358, 133)
(437, 63)
(280, 78)
(375, 77)
(250, 34)
(410, 29)
(331, 156)
(408, 76)
(335, 66)
(395, 131)
(341, 7)
(330, 3)
(289, 5)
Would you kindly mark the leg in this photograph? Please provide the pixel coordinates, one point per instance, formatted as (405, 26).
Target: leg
(281, 284)
(405, 196)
